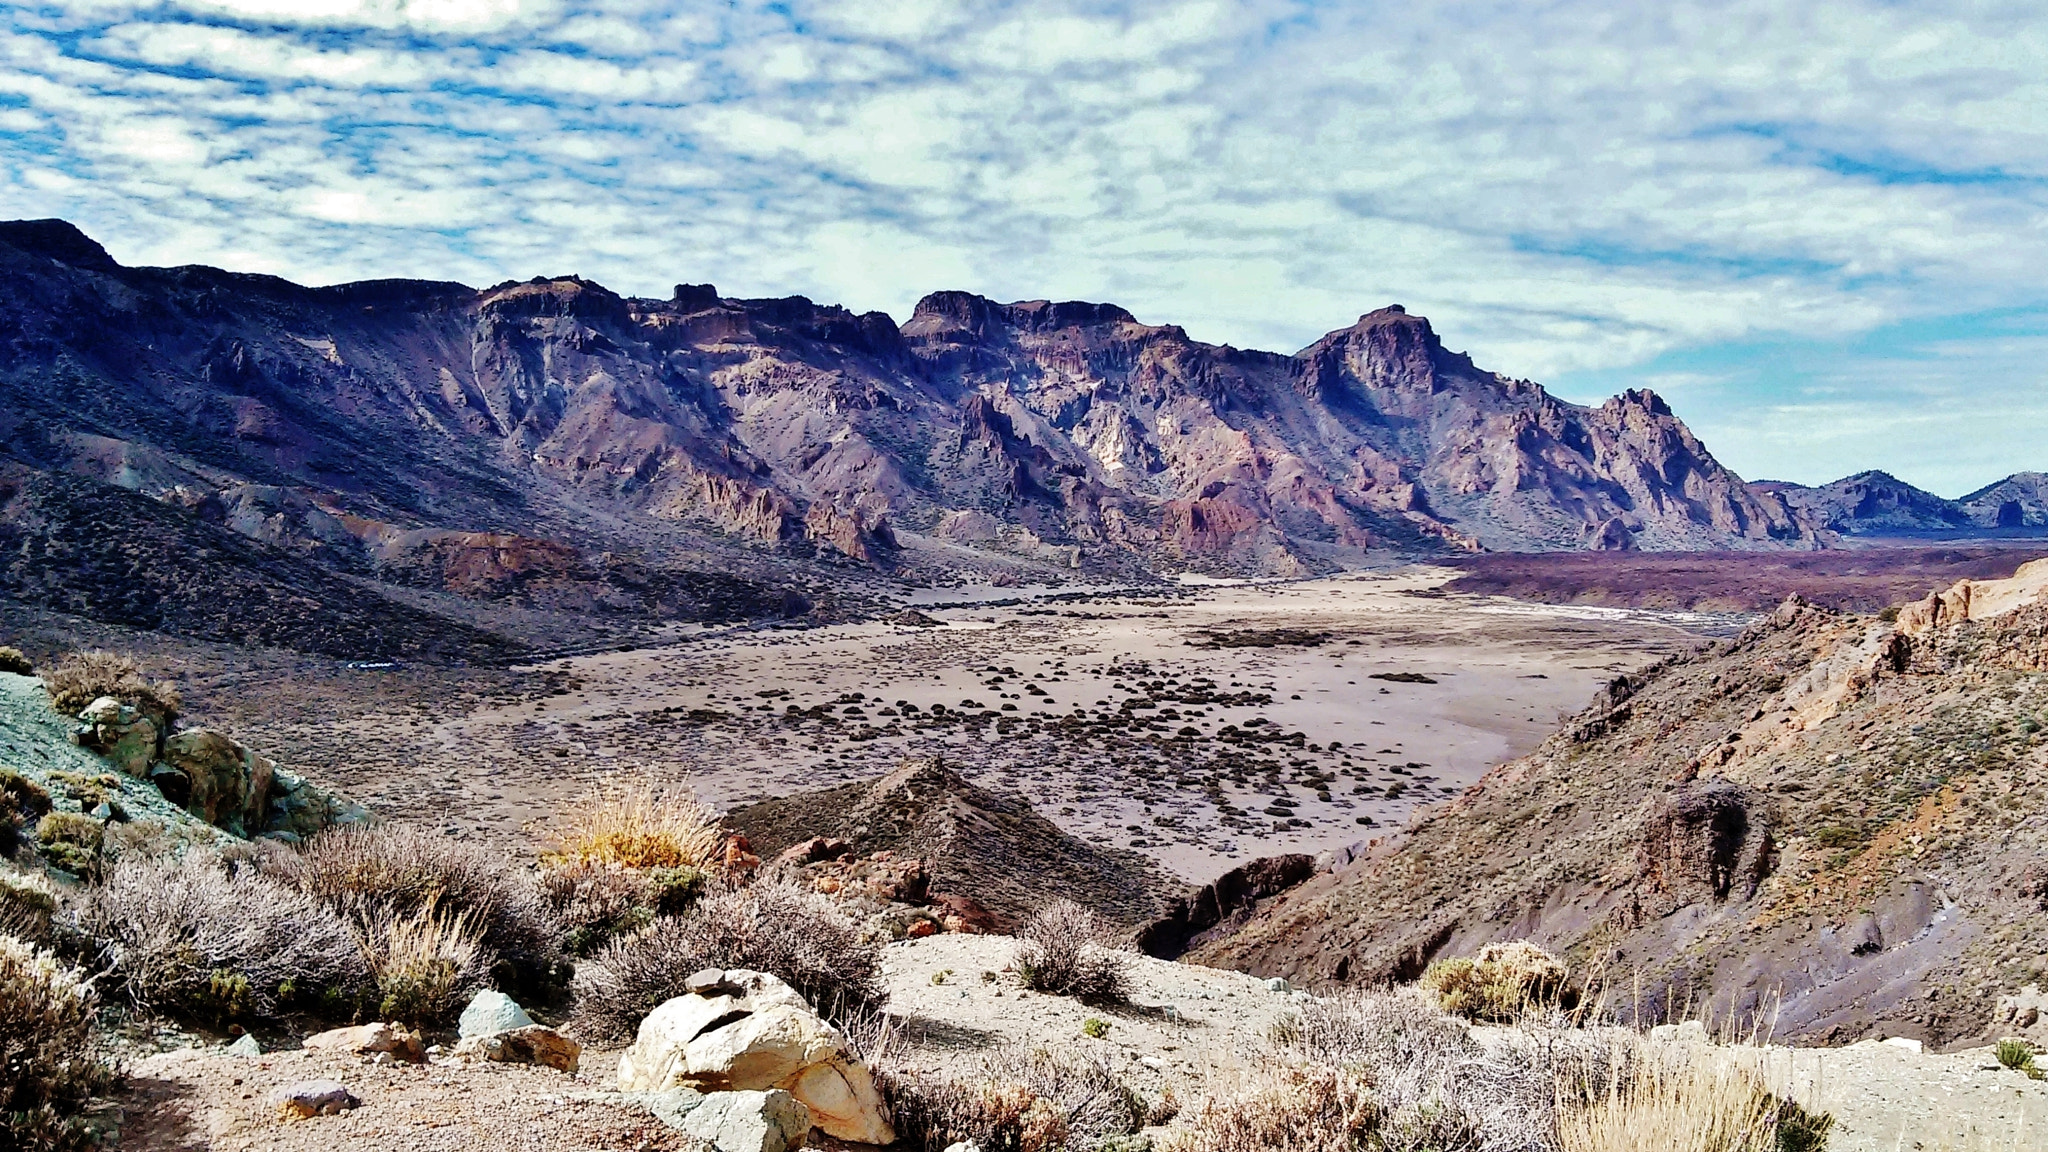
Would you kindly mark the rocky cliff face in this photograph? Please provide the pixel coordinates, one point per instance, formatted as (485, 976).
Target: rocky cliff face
(1880, 504)
(356, 424)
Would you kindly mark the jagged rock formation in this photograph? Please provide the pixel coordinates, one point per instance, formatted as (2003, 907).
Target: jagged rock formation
(993, 848)
(379, 427)
(2018, 502)
(1880, 504)
(1830, 817)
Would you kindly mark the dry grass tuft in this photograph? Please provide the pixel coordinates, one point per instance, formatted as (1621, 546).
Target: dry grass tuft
(632, 823)
(798, 936)
(22, 803)
(83, 677)
(1499, 984)
(1065, 950)
(1682, 1103)
(49, 1055)
(426, 964)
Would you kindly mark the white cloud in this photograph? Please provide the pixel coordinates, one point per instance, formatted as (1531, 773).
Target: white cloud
(1568, 189)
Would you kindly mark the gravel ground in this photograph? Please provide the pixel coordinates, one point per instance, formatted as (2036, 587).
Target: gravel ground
(1889, 1095)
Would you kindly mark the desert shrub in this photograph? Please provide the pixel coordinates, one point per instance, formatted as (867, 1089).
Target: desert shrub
(1688, 1105)
(83, 677)
(1500, 983)
(1014, 1098)
(632, 823)
(27, 904)
(1064, 949)
(71, 841)
(1284, 1108)
(49, 1059)
(597, 903)
(426, 964)
(372, 874)
(13, 660)
(187, 937)
(2018, 1055)
(798, 936)
(22, 802)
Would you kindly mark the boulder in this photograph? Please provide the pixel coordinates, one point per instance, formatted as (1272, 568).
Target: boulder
(369, 1040)
(490, 1012)
(119, 732)
(300, 810)
(748, 1031)
(247, 1047)
(749, 1121)
(228, 786)
(312, 1098)
(531, 1044)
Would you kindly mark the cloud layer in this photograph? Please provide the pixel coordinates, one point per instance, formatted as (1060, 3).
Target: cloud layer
(1818, 226)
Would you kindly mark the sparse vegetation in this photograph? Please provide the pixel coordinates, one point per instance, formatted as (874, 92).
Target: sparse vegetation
(1284, 1109)
(426, 963)
(1095, 1028)
(1687, 1105)
(83, 677)
(22, 802)
(1065, 950)
(1016, 1099)
(189, 938)
(798, 936)
(27, 905)
(13, 660)
(1499, 984)
(50, 1062)
(71, 841)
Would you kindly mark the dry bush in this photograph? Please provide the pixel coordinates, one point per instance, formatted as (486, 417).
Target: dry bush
(14, 660)
(1284, 1108)
(1677, 1103)
(187, 937)
(598, 903)
(49, 1057)
(1500, 983)
(83, 677)
(426, 964)
(27, 904)
(798, 936)
(71, 841)
(632, 823)
(1016, 1098)
(1065, 950)
(373, 874)
(22, 803)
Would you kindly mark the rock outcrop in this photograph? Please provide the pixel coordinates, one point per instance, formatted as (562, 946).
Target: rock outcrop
(740, 1031)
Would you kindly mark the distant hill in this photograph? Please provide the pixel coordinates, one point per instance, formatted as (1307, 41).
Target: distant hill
(1879, 504)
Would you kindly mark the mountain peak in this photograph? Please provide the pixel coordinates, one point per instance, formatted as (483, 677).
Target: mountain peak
(58, 240)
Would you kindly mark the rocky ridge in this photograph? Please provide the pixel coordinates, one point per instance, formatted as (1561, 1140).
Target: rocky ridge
(465, 439)
(1833, 819)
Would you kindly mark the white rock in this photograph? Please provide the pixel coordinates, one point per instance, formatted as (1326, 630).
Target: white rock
(490, 1012)
(964, 1146)
(771, 1121)
(1903, 1043)
(765, 1036)
(1690, 1032)
(245, 1047)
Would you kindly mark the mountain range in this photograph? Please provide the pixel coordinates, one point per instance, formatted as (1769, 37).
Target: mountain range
(553, 443)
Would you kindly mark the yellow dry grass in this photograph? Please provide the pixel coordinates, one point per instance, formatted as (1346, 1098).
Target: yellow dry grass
(632, 823)
(1674, 1104)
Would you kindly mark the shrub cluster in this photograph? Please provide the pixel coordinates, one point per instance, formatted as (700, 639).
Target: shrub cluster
(13, 660)
(1499, 984)
(1065, 950)
(83, 677)
(634, 824)
(1017, 1099)
(22, 803)
(50, 1063)
(795, 935)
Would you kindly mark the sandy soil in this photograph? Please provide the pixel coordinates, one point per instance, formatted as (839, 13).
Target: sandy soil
(1111, 715)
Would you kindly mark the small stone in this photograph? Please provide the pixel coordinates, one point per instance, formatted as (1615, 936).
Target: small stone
(312, 1098)
(964, 1146)
(533, 1044)
(491, 1011)
(1279, 984)
(703, 981)
(1690, 1032)
(368, 1040)
(245, 1047)
(1904, 1044)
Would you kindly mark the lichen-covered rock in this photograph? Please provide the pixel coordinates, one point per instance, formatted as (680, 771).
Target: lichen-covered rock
(121, 733)
(300, 809)
(228, 785)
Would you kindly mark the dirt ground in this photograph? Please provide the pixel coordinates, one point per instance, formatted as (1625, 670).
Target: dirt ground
(1165, 721)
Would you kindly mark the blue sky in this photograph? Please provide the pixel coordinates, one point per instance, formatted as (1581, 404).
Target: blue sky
(1818, 229)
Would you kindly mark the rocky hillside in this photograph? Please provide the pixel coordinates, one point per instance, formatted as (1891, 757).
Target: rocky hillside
(1832, 815)
(434, 434)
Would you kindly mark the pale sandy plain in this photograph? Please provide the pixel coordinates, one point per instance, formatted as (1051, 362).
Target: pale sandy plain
(735, 713)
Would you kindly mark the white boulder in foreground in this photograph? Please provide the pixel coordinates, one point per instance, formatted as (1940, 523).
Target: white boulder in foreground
(771, 1121)
(742, 1031)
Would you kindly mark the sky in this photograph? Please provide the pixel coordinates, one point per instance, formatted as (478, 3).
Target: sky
(1820, 230)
